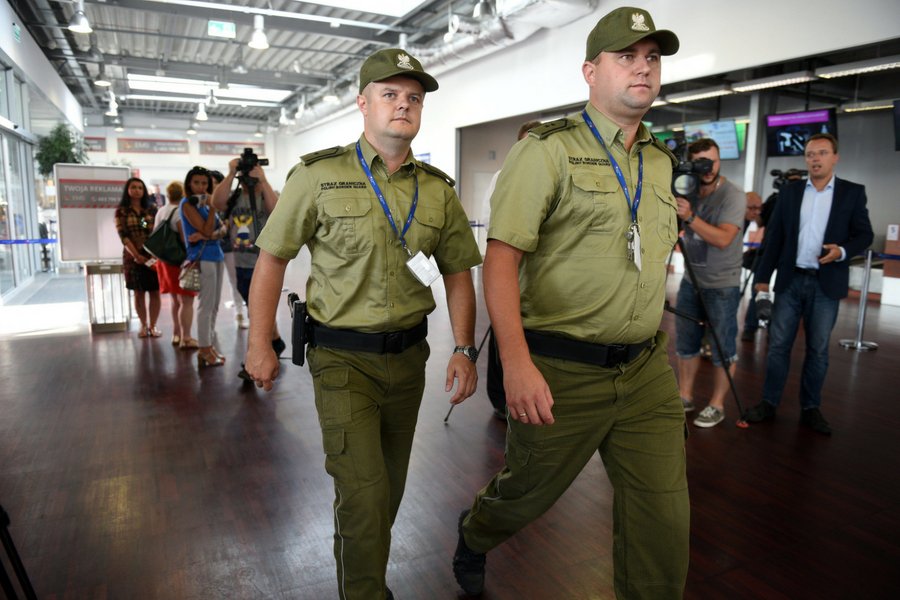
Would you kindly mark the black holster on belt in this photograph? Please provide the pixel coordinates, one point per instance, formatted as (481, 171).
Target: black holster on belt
(299, 328)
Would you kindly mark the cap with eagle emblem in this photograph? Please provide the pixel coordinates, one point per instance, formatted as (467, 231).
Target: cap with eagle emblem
(390, 62)
(623, 27)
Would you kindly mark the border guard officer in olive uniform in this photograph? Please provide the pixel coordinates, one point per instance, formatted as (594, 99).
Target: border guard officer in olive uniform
(583, 220)
(372, 216)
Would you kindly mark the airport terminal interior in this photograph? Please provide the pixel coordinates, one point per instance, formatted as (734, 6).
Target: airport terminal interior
(128, 472)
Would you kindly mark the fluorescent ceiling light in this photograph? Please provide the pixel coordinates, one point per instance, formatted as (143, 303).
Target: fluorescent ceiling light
(660, 101)
(863, 106)
(392, 8)
(175, 85)
(775, 81)
(857, 68)
(701, 94)
(193, 99)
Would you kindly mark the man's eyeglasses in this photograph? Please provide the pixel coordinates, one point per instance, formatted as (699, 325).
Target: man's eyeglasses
(820, 154)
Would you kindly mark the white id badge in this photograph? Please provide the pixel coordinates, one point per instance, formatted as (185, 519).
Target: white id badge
(423, 269)
(637, 248)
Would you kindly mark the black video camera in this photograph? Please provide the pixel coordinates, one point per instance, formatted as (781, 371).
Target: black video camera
(783, 177)
(686, 177)
(248, 160)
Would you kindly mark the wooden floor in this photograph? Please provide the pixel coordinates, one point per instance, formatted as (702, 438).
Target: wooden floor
(129, 475)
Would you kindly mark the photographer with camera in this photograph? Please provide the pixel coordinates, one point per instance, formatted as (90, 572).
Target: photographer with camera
(712, 238)
(248, 208)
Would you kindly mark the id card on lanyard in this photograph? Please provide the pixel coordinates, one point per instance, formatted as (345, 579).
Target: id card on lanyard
(633, 235)
(418, 264)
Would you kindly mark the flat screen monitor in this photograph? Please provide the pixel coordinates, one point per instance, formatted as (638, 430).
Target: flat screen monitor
(723, 132)
(897, 125)
(786, 134)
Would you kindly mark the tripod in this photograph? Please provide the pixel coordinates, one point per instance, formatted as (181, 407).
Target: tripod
(712, 328)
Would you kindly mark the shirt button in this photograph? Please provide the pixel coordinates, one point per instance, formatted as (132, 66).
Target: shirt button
(347, 208)
(643, 285)
(390, 305)
(391, 273)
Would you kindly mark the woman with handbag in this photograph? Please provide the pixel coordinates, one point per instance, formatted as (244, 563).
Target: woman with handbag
(167, 271)
(202, 231)
(134, 222)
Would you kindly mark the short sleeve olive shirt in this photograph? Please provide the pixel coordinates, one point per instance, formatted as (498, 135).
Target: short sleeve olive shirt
(359, 279)
(559, 201)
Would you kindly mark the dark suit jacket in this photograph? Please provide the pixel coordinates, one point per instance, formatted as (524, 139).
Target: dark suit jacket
(848, 227)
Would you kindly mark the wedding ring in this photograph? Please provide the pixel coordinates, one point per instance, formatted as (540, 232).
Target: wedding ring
(523, 414)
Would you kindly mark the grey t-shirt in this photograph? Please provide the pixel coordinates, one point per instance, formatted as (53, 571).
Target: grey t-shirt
(245, 226)
(715, 268)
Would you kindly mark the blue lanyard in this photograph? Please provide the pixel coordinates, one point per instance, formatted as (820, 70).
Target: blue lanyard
(618, 171)
(384, 206)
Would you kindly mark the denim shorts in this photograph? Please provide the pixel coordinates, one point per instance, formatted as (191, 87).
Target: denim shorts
(722, 304)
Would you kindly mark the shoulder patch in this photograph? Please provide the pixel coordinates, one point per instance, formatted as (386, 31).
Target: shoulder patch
(312, 157)
(665, 149)
(436, 172)
(550, 127)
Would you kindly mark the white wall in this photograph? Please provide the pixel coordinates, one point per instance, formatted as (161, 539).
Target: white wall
(34, 68)
(544, 70)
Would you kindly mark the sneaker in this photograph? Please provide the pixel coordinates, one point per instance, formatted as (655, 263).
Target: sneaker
(468, 566)
(278, 346)
(687, 404)
(812, 418)
(242, 321)
(709, 417)
(761, 412)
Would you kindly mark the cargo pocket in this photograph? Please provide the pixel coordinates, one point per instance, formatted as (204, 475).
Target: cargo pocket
(333, 396)
(667, 221)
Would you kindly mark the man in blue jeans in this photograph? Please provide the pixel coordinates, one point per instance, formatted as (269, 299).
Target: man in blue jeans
(817, 226)
(712, 237)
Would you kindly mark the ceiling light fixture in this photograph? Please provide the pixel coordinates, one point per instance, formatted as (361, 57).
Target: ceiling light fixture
(284, 119)
(211, 99)
(484, 11)
(79, 22)
(101, 80)
(871, 105)
(113, 110)
(860, 67)
(775, 81)
(331, 96)
(118, 125)
(192, 129)
(701, 94)
(240, 68)
(259, 132)
(201, 112)
(258, 41)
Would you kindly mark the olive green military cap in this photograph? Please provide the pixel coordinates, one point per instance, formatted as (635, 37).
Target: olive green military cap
(389, 62)
(623, 27)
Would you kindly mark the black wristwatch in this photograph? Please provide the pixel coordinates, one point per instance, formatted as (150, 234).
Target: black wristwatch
(470, 352)
(690, 219)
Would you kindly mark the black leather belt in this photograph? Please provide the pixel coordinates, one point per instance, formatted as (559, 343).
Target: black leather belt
(392, 342)
(603, 355)
(809, 272)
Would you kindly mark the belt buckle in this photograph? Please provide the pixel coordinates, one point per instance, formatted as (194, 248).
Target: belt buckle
(616, 354)
(393, 342)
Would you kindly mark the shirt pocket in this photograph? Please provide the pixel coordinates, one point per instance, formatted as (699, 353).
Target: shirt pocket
(667, 219)
(425, 233)
(594, 196)
(348, 226)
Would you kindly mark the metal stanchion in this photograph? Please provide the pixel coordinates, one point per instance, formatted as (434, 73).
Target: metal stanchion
(858, 344)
